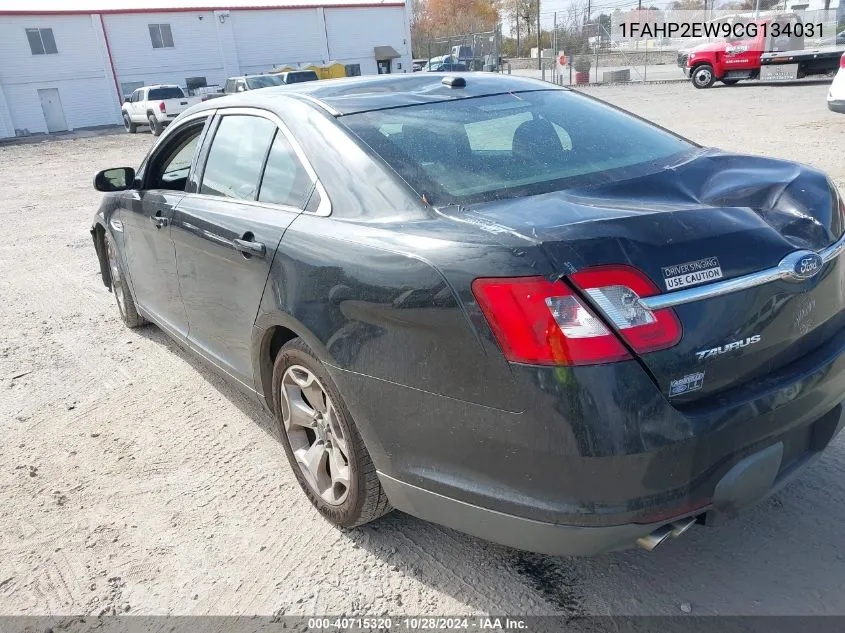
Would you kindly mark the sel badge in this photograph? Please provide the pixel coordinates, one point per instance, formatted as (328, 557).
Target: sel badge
(690, 382)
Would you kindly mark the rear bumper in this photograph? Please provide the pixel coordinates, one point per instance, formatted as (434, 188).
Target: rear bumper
(599, 457)
(750, 481)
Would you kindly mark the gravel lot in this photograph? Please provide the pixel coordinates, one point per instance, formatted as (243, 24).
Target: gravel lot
(133, 479)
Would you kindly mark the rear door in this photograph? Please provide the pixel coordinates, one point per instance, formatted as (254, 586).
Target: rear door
(252, 186)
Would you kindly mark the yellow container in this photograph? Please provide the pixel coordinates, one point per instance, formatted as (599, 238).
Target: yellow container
(334, 70)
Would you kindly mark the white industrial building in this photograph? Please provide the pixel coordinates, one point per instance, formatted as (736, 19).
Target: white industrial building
(68, 68)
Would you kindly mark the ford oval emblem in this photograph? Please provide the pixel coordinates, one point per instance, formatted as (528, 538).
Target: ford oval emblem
(807, 265)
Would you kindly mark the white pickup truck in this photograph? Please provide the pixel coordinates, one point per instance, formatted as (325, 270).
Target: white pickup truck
(155, 106)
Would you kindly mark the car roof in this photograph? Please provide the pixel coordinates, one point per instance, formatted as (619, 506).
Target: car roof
(378, 92)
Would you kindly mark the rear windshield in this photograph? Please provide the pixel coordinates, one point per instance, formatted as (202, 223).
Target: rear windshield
(306, 75)
(503, 146)
(264, 81)
(157, 94)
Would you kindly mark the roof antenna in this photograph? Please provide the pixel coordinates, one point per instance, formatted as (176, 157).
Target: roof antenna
(454, 82)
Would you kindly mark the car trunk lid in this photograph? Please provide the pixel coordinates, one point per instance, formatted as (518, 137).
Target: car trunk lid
(713, 218)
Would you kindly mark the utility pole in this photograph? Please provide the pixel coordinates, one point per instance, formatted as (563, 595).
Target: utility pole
(517, 34)
(539, 49)
(554, 49)
(640, 17)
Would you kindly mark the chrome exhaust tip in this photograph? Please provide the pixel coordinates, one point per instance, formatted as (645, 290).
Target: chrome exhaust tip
(651, 541)
(679, 527)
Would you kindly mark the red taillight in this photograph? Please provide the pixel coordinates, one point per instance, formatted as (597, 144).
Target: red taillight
(842, 61)
(544, 323)
(615, 290)
(540, 322)
(161, 106)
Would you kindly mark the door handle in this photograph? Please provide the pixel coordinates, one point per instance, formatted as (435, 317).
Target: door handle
(248, 247)
(158, 221)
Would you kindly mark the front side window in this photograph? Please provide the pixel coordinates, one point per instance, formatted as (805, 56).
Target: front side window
(171, 164)
(41, 41)
(236, 157)
(161, 36)
(285, 180)
(504, 146)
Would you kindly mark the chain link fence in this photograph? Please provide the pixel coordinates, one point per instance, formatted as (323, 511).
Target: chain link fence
(590, 55)
(604, 51)
(470, 51)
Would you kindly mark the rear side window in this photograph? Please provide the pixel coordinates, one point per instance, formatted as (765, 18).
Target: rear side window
(285, 180)
(236, 157)
(518, 144)
(160, 94)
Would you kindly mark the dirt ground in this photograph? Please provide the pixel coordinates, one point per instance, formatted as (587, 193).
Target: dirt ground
(133, 479)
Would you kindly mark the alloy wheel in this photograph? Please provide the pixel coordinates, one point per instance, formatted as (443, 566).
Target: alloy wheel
(316, 437)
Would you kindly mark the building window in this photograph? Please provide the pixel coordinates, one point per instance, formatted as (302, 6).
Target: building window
(41, 41)
(161, 36)
(128, 87)
(192, 83)
(353, 70)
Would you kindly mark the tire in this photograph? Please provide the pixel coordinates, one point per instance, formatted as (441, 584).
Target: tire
(730, 82)
(120, 289)
(155, 126)
(702, 76)
(130, 127)
(328, 437)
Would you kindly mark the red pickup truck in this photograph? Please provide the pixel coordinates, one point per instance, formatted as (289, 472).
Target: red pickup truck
(769, 49)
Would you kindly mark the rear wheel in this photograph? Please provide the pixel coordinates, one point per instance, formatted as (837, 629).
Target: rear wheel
(155, 126)
(729, 82)
(323, 446)
(120, 289)
(702, 76)
(128, 125)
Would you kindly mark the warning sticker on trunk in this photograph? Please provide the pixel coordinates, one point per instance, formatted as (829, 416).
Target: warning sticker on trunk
(692, 273)
(690, 382)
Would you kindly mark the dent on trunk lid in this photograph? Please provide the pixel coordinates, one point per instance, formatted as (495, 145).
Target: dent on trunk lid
(747, 212)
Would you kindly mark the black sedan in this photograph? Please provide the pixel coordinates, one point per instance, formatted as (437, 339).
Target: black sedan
(493, 303)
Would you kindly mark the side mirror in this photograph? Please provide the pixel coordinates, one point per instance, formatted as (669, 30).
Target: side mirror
(126, 99)
(117, 179)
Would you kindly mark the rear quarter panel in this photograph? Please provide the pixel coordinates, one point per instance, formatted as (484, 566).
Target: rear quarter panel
(382, 286)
